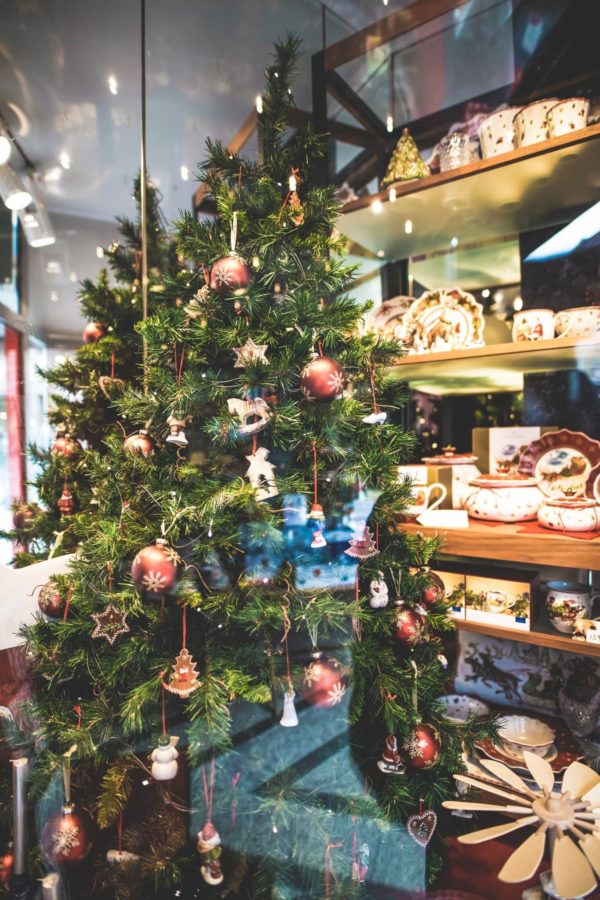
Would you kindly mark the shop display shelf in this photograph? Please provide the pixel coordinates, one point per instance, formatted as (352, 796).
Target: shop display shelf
(497, 367)
(509, 543)
(530, 187)
(536, 636)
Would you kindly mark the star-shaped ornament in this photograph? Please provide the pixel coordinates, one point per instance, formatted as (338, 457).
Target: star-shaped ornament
(250, 353)
(110, 623)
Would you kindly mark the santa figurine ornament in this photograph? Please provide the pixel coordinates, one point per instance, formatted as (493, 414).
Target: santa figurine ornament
(390, 763)
(209, 841)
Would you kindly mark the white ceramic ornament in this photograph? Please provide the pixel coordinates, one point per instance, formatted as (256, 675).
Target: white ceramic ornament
(375, 418)
(115, 857)
(379, 594)
(261, 474)
(318, 540)
(289, 719)
(245, 410)
(164, 759)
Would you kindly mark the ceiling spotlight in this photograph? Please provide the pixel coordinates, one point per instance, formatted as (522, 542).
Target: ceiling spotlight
(5, 147)
(184, 173)
(113, 85)
(376, 207)
(12, 189)
(35, 222)
(389, 124)
(53, 296)
(65, 160)
(408, 226)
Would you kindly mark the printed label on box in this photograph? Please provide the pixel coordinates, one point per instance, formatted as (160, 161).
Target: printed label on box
(499, 602)
(454, 589)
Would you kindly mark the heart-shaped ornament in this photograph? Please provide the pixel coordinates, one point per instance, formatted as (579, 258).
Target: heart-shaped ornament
(110, 386)
(421, 826)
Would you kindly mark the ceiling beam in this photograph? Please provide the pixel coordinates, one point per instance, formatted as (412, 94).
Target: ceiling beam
(398, 23)
(340, 131)
(237, 142)
(347, 97)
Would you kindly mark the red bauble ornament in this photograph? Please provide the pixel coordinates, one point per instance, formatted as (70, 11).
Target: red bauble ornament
(325, 682)
(24, 515)
(139, 443)
(67, 836)
(93, 332)
(156, 569)
(64, 446)
(422, 747)
(435, 592)
(230, 276)
(6, 867)
(66, 503)
(50, 602)
(322, 379)
(410, 627)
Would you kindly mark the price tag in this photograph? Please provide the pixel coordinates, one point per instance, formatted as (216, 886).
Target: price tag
(592, 635)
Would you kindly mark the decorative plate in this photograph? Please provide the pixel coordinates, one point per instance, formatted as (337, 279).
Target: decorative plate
(592, 485)
(443, 320)
(561, 462)
(386, 319)
(449, 457)
(460, 707)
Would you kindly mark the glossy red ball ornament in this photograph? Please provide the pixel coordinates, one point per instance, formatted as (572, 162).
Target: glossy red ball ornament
(323, 379)
(434, 592)
(140, 443)
(156, 569)
(422, 748)
(230, 276)
(410, 628)
(64, 446)
(25, 515)
(67, 836)
(93, 332)
(6, 868)
(325, 681)
(50, 602)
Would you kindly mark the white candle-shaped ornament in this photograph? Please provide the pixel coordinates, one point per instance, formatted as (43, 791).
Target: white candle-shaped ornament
(51, 887)
(19, 816)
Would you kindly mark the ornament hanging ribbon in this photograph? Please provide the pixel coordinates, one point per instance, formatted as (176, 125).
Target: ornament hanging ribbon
(233, 235)
(235, 779)
(287, 625)
(178, 361)
(329, 872)
(67, 603)
(415, 694)
(208, 785)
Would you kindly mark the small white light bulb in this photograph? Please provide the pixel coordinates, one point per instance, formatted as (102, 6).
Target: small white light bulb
(259, 104)
(113, 85)
(408, 226)
(184, 173)
(376, 207)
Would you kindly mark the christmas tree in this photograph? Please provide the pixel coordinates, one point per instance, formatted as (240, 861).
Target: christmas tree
(406, 163)
(206, 604)
(84, 386)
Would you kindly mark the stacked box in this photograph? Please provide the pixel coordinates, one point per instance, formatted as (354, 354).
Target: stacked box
(504, 600)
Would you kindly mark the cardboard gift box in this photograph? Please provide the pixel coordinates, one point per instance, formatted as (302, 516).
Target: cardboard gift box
(454, 590)
(499, 449)
(504, 599)
(424, 476)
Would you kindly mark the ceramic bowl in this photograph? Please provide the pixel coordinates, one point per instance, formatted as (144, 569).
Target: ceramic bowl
(567, 116)
(503, 498)
(459, 707)
(520, 733)
(570, 515)
(497, 132)
(530, 122)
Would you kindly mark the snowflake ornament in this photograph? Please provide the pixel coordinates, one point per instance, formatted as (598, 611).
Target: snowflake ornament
(250, 353)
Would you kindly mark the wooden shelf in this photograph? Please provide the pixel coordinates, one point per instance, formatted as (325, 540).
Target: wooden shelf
(498, 367)
(539, 638)
(509, 543)
(530, 187)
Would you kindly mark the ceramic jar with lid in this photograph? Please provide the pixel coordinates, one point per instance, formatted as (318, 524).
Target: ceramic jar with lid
(503, 498)
(578, 514)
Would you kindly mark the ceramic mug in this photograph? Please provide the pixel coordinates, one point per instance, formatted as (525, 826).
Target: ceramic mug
(533, 325)
(530, 122)
(567, 116)
(421, 497)
(497, 133)
(568, 601)
(581, 321)
(498, 602)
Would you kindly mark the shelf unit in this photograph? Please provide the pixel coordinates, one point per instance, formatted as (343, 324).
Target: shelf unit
(512, 543)
(497, 367)
(555, 641)
(530, 187)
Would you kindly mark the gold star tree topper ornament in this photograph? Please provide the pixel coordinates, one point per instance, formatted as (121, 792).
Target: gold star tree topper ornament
(110, 623)
(250, 353)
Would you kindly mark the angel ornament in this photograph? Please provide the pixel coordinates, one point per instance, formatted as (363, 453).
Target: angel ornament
(261, 474)
(379, 594)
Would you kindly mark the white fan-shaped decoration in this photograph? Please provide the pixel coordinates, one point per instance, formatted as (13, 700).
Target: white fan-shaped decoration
(574, 809)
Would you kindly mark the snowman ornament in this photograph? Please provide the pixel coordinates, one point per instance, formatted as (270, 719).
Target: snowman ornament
(164, 759)
(379, 594)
